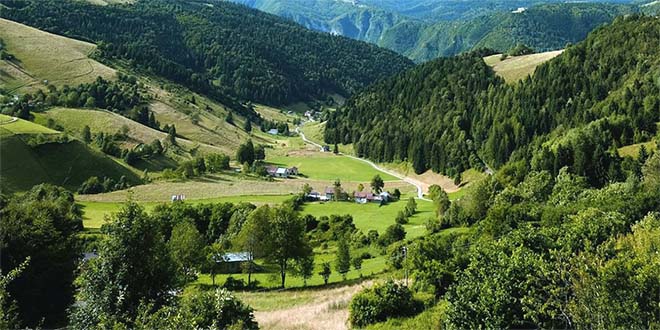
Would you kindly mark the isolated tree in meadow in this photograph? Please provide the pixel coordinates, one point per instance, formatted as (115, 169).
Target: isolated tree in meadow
(337, 190)
(440, 199)
(411, 206)
(306, 189)
(360, 187)
(325, 272)
(186, 246)
(259, 152)
(86, 135)
(171, 135)
(377, 184)
(401, 217)
(229, 118)
(357, 264)
(343, 258)
(248, 126)
(245, 153)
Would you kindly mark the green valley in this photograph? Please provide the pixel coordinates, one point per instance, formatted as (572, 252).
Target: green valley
(189, 164)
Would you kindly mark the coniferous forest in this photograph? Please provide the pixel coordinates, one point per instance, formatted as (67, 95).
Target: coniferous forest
(211, 50)
(452, 114)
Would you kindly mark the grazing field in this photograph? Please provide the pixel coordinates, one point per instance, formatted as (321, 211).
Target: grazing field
(20, 126)
(274, 114)
(327, 166)
(372, 216)
(516, 68)
(44, 56)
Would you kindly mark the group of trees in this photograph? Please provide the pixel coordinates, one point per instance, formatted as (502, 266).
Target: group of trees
(546, 251)
(198, 166)
(94, 185)
(248, 153)
(211, 50)
(463, 112)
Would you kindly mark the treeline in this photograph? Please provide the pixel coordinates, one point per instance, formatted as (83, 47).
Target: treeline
(450, 114)
(211, 50)
(122, 96)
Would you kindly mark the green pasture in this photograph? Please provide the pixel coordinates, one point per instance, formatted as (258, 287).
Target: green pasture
(327, 166)
(22, 127)
(373, 216)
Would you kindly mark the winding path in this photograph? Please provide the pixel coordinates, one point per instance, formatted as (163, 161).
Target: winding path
(420, 191)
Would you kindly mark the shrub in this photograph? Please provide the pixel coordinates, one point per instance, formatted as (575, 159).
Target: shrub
(233, 284)
(381, 302)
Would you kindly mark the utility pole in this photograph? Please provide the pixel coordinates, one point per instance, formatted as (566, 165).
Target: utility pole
(405, 263)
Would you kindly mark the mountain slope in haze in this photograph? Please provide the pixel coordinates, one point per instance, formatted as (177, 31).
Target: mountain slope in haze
(452, 113)
(212, 50)
(543, 26)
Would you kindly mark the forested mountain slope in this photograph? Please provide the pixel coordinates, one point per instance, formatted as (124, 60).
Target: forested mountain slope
(447, 114)
(224, 50)
(424, 30)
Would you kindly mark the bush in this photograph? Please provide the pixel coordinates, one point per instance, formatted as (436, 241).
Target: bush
(381, 302)
(233, 284)
(393, 233)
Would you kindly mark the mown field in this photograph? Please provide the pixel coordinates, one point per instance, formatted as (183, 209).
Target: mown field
(516, 68)
(45, 56)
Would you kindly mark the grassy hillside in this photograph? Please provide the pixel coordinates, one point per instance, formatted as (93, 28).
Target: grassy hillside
(513, 69)
(45, 56)
(211, 50)
(68, 164)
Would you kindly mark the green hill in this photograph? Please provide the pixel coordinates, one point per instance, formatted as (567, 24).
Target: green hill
(29, 157)
(41, 56)
(455, 113)
(211, 49)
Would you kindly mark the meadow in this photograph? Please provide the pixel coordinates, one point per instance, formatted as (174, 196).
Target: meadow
(328, 166)
(373, 216)
(44, 56)
(21, 126)
(516, 68)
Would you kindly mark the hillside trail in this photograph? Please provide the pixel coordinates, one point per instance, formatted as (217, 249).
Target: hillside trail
(418, 185)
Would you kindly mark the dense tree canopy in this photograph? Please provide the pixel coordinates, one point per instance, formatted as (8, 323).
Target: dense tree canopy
(41, 226)
(448, 114)
(212, 50)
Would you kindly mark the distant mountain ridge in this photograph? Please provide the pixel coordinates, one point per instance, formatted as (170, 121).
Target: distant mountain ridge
(411, 28)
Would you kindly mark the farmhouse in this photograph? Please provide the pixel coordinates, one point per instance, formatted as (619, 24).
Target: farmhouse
(330, 194)
(281, 172)
(361, 197)
(231, 261)
(273, 131)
